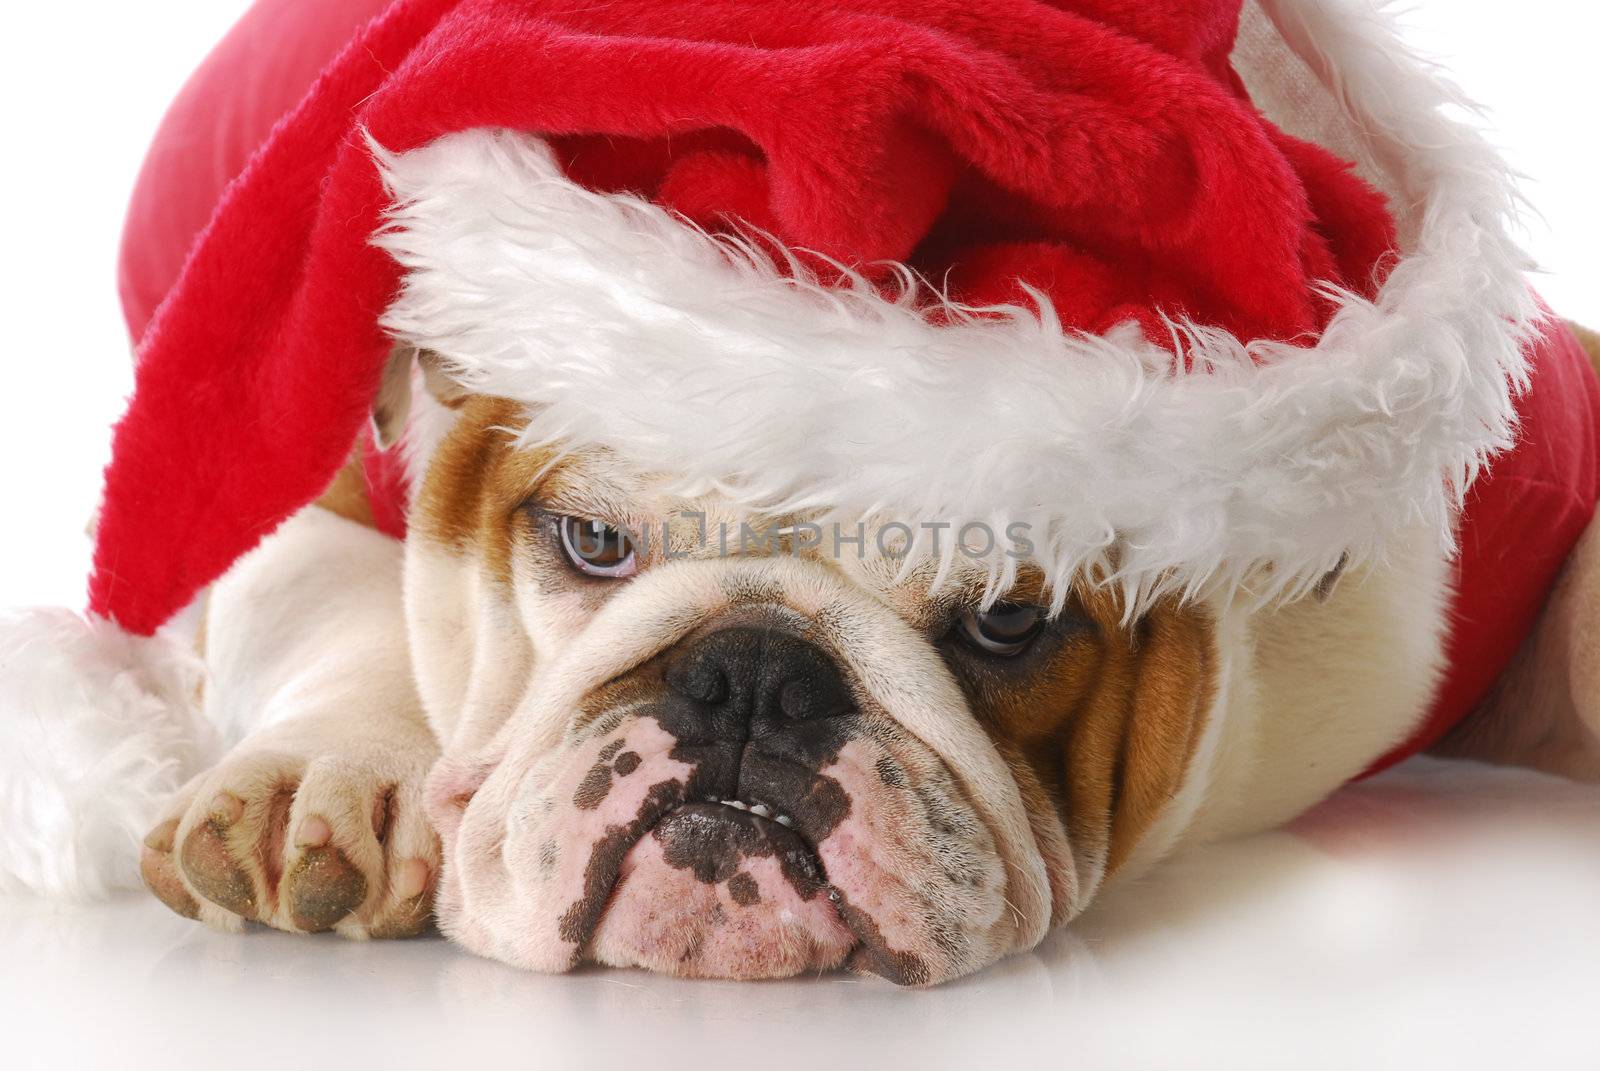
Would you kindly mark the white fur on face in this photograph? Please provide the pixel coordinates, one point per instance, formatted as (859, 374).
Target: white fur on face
(570, 833)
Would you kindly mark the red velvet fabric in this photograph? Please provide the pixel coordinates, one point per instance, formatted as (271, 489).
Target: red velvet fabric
(1097, 149)
(220, 118)
(1520, 523)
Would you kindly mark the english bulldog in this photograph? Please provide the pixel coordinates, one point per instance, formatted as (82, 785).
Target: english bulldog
(576, 421)
(566, 741)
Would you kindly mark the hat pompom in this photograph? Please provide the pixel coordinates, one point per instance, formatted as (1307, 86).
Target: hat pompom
(98, 729)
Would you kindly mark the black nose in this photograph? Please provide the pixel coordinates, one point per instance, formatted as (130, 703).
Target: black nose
(746, 683)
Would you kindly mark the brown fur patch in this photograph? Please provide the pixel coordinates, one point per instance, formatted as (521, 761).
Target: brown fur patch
(346, 496)
(1105, 729)
(593, 789)
(477, 484)
(1175, 685)
(450, 502)
(744, 890)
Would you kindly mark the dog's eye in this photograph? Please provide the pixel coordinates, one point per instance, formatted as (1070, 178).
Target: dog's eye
(1003, 630)
(596, 548)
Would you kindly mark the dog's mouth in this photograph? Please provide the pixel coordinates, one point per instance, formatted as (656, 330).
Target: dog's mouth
(713, 839)
(723, 887)
(632, 848)
(682, 876)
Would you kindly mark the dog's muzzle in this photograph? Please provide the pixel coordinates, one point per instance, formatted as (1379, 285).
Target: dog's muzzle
(756, 712)
(787, 785)
(760, 711)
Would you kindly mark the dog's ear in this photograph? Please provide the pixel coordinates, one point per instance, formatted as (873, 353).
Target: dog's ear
(444, 390)
(392, 407)
(1128, 746)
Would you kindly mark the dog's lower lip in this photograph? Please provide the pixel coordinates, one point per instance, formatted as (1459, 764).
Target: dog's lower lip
(766, 813)
(854, 921)
(716, 804)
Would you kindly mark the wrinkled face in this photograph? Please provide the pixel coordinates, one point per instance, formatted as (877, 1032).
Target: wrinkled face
(759, 760)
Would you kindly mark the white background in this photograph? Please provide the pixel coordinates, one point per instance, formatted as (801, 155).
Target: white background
(1435, 912)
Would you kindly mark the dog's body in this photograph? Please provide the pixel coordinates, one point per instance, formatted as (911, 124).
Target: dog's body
(711, 755)
(362, 662)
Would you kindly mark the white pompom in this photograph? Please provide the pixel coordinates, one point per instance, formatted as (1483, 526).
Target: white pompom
(98, 729)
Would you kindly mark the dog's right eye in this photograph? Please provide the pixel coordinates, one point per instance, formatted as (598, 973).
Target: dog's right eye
(598, 549)
(1004, 630)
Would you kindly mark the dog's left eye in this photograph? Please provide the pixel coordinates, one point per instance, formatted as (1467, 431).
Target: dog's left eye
(1004, 630)
(596, 548)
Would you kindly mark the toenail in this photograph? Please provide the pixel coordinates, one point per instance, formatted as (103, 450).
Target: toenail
(410, 878)
(227, 808)
(314, 833)
(161, 837)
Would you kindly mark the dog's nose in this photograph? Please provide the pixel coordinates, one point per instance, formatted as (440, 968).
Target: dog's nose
(751, 682)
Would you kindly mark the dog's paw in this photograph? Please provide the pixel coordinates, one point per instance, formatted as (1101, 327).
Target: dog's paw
(301, 838)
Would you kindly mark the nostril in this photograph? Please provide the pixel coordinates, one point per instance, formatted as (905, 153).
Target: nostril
(802, 699)
(746, 681)
(795, 701)
(703, 681)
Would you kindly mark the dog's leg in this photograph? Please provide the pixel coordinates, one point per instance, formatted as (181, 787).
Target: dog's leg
(315, 820)
(1545, 710)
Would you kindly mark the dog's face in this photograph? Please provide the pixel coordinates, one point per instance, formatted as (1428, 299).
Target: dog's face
(671, 754)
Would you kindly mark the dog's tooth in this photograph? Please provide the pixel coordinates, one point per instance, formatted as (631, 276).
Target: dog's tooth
(735, 804)
(785, 820)
(760, 809)
(714, 799)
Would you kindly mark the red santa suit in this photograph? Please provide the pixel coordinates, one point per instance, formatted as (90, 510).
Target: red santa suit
(1225, 362)
(1521, 519)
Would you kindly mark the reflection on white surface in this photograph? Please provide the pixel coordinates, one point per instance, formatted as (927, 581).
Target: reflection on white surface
(1442, 913)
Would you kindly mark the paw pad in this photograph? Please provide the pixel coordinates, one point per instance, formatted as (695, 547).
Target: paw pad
(212, 872)
(323, 889)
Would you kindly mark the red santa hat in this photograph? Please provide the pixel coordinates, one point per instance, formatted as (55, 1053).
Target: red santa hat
(1208, 308)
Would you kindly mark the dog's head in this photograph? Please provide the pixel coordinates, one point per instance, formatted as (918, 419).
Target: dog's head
(677, 743)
